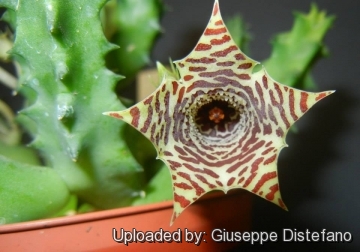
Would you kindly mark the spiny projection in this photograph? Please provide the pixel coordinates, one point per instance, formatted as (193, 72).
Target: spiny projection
(219, 126)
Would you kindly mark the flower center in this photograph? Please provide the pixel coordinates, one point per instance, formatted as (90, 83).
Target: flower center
(217, 116)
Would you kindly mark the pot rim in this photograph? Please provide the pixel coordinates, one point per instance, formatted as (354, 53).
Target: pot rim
(99, 215)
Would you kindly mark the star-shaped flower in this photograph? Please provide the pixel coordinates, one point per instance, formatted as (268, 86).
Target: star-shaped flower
(219, 126)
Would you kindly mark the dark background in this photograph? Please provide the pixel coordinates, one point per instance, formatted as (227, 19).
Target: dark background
(319, 172)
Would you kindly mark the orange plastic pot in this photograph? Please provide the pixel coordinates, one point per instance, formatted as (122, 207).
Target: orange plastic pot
(95, 231)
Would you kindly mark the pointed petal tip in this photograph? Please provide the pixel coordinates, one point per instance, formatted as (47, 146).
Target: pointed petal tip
(113, 114)
(284, 207)
(216, 8)
(173, 218)
(324, 94)
(108, 113)
(330, 92)
(281, 204)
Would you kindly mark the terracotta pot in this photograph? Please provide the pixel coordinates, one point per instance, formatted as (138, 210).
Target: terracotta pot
(94, 231)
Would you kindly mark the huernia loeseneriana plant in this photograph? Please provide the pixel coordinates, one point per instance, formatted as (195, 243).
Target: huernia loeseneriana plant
(64, 80)
(221, 125)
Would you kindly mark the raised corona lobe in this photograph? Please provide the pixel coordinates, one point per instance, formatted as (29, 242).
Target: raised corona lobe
(220, 126)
